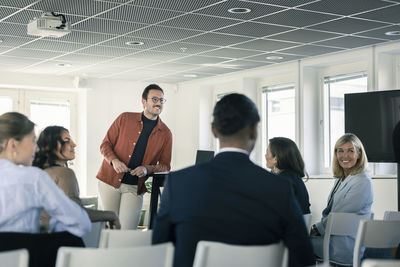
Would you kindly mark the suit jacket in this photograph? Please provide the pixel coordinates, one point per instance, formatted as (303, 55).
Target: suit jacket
(354, 195)
(231, 200)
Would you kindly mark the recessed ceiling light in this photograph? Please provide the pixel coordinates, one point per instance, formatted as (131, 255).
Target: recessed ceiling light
(190, 75)
(274, 58)
(64, 65)
(239, 10)
(134, 43)
(393, 33)
(1, 40)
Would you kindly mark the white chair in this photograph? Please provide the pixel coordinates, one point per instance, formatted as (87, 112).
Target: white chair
(148, 256)
(92, 238)
(376, 234)
(308, 220)
(380, 263)
(14, 258)
(342, 224)
(216, 254)
(124, 238)
(391, 216)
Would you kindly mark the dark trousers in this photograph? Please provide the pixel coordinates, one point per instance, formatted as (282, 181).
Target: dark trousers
(42, 247)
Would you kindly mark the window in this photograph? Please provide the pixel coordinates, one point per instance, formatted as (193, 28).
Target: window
(278, 113)
(45, 113)
(6, 104)
(334, 89)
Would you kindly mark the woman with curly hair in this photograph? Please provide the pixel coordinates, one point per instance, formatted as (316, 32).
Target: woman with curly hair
(56, 148)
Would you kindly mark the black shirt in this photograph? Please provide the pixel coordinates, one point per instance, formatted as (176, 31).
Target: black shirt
(139, 150)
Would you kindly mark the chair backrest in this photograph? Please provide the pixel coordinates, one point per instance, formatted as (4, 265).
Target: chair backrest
(124, 238)
(14, 258)
(42, 248)
(308, 220)
(92, 238)
(217, 254)
(380, 263)
(90, 202)
(148, 256)
(342, 224)
(391, 216)
(376, 234)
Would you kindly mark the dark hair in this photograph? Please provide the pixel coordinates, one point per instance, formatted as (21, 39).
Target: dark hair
(14, 125)
(233, 113)
(287, 155)
(47, 144)
(150, 87)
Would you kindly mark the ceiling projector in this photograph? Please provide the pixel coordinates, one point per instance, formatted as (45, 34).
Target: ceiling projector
(49, 24)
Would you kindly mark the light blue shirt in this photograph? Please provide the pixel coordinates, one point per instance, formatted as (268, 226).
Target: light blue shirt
(25, 192)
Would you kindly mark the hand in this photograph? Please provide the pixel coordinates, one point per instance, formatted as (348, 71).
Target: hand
(114, 222)
(139, 171)
(314, 231)
(119, 166)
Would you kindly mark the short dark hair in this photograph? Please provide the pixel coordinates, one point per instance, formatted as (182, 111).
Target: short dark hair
(14, 125)
(47, 144)
(287, 154)
(150, 87)
(233, 113)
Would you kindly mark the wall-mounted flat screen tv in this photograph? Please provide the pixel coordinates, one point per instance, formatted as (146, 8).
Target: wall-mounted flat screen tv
(373, 117)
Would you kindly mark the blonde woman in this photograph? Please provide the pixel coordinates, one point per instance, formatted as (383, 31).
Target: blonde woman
(352, 193)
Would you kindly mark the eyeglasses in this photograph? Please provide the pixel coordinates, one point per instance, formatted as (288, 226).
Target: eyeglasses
(156, 99)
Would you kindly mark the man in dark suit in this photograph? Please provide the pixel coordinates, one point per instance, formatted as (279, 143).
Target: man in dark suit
(230, 199)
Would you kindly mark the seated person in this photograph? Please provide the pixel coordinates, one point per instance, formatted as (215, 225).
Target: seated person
(56, 148)
(25, 191)
(230, 199)
(284, 159)
(352, 193)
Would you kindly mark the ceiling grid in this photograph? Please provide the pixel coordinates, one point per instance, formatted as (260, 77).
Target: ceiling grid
(176, 40)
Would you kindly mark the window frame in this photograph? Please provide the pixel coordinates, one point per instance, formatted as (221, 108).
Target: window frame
(333, 71)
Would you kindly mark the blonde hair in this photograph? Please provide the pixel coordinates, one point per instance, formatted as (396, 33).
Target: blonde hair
(362, 161)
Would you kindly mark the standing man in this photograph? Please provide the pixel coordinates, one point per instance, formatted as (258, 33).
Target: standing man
(137, 144)
(230, 199)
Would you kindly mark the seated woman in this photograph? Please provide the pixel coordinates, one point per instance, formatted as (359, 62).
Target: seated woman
(352, 193)
(284, 159)
(25, 191)
(56, 148)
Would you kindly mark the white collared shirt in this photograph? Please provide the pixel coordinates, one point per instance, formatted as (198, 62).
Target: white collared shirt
(233, 149)
(25, 192)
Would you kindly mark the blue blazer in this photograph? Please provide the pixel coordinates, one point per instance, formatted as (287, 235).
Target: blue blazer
(232, 200)
(354, 195)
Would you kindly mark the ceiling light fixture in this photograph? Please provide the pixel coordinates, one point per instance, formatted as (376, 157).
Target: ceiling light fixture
(239, 10)
(1, 40)
(274, 58)
(134, 43)
(392, 33)
(64, 65)
(190, 75)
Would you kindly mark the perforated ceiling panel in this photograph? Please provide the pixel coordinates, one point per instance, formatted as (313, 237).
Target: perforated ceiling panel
(175, 40)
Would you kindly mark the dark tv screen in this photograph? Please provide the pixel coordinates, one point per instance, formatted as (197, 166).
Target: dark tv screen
(373, 117)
